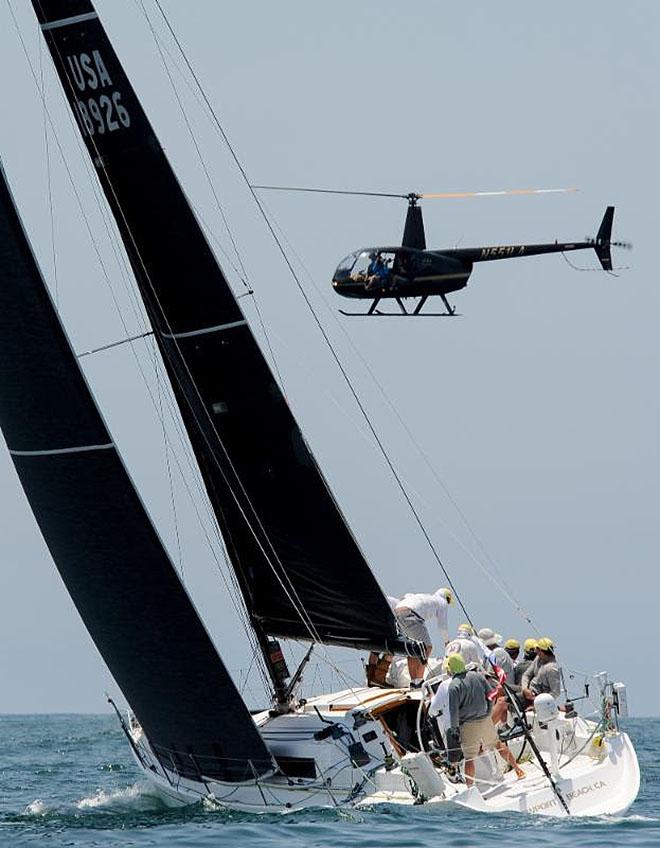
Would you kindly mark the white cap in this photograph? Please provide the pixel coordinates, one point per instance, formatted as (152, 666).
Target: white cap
(490, 638)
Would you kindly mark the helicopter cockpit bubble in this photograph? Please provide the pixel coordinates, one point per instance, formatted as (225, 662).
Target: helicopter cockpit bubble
(362, 264)
(346, 265)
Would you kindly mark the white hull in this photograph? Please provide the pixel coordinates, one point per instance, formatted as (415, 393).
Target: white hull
(594, 779)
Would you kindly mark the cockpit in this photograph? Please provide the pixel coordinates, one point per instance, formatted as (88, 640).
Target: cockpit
(368, 264)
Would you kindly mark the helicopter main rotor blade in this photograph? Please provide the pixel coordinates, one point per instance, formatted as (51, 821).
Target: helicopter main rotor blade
(413, 197)
(329, 191)
(451, 195)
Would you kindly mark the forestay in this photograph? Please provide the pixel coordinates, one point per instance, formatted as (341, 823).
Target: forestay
(104, 545)
(300, 570)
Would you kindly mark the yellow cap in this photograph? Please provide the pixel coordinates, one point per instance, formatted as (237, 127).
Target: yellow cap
(514, 644)
(447, 594)
(467, 627)
(545, 644)
(530, 645)
(455, 664)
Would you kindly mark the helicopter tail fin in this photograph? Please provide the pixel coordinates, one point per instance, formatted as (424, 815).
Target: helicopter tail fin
(604, 238)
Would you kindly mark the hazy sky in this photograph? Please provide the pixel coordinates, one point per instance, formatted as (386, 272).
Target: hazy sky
(537, 409)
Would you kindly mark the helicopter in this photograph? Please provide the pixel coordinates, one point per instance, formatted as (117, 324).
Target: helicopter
(410, 270)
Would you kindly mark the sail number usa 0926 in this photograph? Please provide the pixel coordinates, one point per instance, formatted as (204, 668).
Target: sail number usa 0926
(98, 113)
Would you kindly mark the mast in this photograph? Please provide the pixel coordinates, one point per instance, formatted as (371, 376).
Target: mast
(102, 541)
(298, 565)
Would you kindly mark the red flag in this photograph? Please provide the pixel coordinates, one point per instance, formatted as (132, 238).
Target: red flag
(498, 690)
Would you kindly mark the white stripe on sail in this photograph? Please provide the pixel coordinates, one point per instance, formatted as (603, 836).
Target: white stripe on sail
(81, 449)
(74, 19)
(218, 328)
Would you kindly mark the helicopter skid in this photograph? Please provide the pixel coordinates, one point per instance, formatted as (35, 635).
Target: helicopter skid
(451, 311)
(379, 314)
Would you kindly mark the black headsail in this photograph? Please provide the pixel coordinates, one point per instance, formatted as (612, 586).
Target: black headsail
(103, 543)
(299, 567)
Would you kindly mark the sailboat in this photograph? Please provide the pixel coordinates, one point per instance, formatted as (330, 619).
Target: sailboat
(300, 571)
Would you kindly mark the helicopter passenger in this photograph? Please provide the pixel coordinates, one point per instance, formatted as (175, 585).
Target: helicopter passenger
(378, 272)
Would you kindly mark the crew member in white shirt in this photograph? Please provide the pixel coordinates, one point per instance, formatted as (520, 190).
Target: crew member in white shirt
(439, 707)
(464, 644)
(412, 613)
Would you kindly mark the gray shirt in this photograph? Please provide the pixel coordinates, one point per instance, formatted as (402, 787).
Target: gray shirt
(467, 697)
(543, 677)
(520, 668)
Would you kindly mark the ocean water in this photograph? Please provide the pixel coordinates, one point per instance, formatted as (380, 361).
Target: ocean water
(68, 780)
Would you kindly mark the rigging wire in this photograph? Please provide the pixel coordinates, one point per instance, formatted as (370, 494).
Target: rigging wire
(319, 325)
(361, 407)
(525, 615)
(501, 585)
(114, 344)
(168, 465)
(240, 272)
(249, 293)
(202, 161)
(49, 179)
(248, 499)
(281, 575)
(122, 265)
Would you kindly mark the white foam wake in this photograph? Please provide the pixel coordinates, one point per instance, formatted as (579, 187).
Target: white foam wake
(130, 798)
(36, 808)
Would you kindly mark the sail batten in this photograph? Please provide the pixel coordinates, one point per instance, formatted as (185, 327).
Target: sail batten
(54, 451)
(298, 565)
(205, 330)
(102, 541)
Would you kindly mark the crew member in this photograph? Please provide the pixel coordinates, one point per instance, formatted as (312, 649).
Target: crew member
(512, 647)
(469, 718)
(412, 614)
(544, 674)
(465, 645)
(497, 654)
(529, 655)
(497, 657)
(439, 706)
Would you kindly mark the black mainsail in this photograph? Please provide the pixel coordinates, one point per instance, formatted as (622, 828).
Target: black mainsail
(300, 569)
(111, 559)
